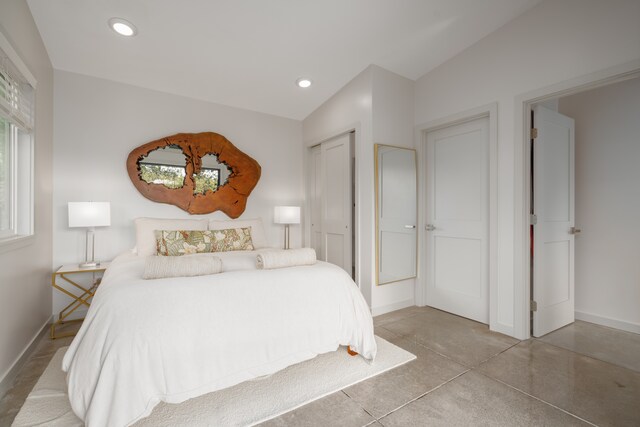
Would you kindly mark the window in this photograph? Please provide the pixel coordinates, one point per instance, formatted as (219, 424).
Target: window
(16, 145)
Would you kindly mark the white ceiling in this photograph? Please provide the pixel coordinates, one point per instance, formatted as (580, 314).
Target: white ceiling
(248, 53)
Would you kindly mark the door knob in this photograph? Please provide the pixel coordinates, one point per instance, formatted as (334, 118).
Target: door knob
(429, 227)
(574, 230)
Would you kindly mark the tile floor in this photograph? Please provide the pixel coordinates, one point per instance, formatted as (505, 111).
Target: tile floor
(582, 374)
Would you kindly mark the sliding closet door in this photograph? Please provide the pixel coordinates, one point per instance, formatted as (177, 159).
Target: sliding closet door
(315, 200)
(337, 202)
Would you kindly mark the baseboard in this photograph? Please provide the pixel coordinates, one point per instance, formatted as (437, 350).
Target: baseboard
(377, 311)
(609, 322)
(6, 382)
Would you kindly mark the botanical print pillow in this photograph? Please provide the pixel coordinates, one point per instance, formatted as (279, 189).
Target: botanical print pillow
(182, 242)
(232, 239)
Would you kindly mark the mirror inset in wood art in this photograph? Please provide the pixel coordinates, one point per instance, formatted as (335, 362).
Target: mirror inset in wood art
(198, 172)
(396, 213)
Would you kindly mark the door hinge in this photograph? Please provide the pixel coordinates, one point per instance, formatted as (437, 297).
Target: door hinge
(534, 306)
(533, 219)
(534, 133)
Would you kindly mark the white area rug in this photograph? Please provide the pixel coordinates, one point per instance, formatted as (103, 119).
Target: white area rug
(247, 403)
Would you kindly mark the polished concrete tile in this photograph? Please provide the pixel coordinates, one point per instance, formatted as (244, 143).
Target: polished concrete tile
(385, 333)
(475, 400)
(388, 391)
(337, 409)
(396, 315)
(599, 392)
(611, 345)
(460, 339)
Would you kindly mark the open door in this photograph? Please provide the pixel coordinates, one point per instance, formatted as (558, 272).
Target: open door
(553, 221)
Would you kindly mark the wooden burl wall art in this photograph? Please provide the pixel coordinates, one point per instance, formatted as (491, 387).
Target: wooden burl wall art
(198, 172)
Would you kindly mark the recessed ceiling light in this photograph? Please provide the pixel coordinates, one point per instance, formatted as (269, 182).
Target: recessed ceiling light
(303, 82)
(123, 27)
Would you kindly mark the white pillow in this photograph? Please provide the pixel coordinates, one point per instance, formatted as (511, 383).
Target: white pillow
(258, 237)
(145, 227)
(160, 267)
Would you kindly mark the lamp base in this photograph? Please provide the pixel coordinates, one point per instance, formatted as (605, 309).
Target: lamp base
(89, 264)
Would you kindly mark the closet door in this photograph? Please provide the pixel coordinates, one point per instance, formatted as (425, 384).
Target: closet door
(315, 199)
(337, 202)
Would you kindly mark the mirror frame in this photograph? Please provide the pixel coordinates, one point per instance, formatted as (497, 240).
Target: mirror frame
(230, 198)
(376, 165)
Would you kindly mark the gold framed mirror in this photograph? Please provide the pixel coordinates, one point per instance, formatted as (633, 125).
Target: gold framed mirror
(396, 211)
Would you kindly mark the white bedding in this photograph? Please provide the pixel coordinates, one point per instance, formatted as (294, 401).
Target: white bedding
(146, 341)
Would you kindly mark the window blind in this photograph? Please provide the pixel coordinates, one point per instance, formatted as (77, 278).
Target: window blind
(16, 95)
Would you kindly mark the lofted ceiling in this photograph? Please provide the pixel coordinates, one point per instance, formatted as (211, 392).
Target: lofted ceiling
(249, 53)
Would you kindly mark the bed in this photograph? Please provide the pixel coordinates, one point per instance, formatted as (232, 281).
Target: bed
(172, 339)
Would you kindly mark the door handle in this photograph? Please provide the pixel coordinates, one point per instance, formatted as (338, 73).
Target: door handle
(409, 226)
(574, 230)
(429, 227)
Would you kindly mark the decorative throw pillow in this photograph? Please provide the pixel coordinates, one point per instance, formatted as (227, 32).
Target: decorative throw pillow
(232, 239)
(184, 242)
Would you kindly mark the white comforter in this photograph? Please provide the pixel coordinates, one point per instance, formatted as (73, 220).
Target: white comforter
(146, 341)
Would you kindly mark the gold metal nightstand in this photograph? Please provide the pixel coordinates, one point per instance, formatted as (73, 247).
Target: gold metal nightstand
(80, 294)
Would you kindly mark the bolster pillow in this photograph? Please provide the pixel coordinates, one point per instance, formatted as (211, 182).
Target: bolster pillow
(159, 267)
(286, 258)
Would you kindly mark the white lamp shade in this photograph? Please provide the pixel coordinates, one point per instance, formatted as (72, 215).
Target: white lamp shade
(286, 215)
(89, 214)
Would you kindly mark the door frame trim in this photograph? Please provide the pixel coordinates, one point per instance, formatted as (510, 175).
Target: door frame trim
(421, 131)
(522, 180)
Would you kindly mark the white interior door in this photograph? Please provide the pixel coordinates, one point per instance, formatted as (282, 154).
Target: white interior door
(337, 202)
(553, 206)
(457, 229)
(315, 199)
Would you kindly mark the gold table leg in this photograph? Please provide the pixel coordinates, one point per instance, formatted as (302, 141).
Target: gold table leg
(78, 301)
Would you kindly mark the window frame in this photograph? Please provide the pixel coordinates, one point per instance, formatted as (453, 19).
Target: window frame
(22, 126)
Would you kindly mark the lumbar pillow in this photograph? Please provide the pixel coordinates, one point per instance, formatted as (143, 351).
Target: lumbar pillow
(282, 258)
(145, 231)
(185, 242)
(258, 236)
(158, 267)
(182, 242)
(232, 239)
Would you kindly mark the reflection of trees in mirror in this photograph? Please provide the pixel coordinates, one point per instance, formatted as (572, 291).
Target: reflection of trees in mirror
(206, 180)
(167, 175)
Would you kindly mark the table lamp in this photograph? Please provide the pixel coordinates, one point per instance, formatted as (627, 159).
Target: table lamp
(89, 215)
(286, 215)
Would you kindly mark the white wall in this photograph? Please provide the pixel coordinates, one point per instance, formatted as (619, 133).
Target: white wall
(25, 291)
(392, 125)
(607, 203)
(98, 122)
(378, 104)
(349, 109)
(553, 42)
